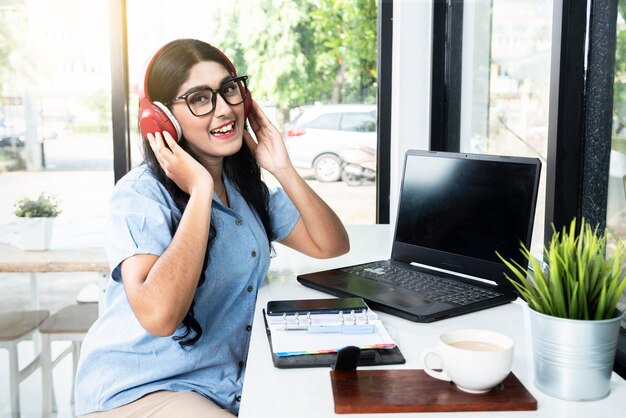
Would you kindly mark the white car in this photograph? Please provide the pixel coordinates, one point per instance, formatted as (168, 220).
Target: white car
(316, 137)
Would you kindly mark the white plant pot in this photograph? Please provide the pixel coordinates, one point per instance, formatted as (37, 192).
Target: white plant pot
(573, 359)
(35, 233)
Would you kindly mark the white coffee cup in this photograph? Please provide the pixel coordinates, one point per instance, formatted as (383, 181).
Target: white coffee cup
(476, 360)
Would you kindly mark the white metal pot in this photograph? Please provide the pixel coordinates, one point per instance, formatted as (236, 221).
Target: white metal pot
(35, 233)
(573, 359)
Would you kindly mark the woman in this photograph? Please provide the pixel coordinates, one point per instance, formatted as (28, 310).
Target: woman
(189, 245)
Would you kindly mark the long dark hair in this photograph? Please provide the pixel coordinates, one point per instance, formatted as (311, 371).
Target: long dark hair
(169, 70)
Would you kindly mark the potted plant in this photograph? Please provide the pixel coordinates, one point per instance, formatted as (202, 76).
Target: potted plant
(574, 319)
(36, 219)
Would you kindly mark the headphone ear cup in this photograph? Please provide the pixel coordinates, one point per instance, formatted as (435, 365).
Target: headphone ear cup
(173, 122)
(156, 117)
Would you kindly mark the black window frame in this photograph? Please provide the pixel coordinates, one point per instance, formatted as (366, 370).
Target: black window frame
(120, 88)
(447, 50)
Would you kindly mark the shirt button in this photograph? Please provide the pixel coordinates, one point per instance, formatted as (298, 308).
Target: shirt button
(250, 288)
(248, 327)
(241, 364)
(238, 222)
(253, 253)
(238, 398)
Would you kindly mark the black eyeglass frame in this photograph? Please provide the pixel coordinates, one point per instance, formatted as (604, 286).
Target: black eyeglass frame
(240, 79)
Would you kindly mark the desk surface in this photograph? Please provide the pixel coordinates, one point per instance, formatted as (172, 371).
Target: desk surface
(272, 392)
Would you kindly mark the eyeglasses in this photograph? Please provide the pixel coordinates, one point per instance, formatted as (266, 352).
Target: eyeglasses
(201, 101)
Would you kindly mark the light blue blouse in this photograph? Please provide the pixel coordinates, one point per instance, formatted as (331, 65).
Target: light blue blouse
(120, 361)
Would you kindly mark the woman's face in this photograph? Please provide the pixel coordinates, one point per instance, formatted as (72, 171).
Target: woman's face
(218, 134)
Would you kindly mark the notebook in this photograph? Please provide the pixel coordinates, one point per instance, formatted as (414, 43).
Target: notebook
(310, 333)
(455, 211)
(327, 333)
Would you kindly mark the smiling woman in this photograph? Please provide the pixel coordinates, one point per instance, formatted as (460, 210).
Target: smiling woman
(190, 237)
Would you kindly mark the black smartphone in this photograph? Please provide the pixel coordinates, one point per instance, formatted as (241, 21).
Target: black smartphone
(315, 306)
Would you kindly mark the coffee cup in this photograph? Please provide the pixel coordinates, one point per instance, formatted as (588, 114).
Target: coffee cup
(476, 360)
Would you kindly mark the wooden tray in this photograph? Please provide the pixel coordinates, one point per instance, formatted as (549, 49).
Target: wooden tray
(373, 391)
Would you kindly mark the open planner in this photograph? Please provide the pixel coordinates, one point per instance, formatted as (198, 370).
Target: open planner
(312, 336)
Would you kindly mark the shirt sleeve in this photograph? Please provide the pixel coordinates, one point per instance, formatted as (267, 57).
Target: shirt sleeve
(283, 213)
(143, 220)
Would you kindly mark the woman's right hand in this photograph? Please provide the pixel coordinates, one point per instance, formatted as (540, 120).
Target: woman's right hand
(159, 302)
(179, 166)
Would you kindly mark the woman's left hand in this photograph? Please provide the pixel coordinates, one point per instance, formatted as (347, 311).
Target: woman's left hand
(319, 232)
(269, 148)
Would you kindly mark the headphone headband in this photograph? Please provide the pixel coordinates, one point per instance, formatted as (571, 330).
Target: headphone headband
(229, 66)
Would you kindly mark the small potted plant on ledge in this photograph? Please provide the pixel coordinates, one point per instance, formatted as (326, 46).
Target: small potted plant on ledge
(36, 219)
(574, 319)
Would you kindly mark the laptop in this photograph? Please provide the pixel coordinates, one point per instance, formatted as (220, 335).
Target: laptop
(455, 211)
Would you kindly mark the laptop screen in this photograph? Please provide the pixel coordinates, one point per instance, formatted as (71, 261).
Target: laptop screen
(457, 210)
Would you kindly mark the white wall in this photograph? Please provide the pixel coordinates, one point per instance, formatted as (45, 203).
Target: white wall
(410, 112)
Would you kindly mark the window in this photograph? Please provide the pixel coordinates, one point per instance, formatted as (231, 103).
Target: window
(55, 107)
(509, 93)
(293, 65)
(503, 91)
(55, 104)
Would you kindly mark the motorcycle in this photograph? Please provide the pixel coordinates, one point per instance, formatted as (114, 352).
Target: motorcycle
(359, 165)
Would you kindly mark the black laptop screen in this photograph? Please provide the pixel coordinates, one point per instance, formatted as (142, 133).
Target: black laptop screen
(469, 206)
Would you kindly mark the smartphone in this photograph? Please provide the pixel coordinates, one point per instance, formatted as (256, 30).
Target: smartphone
(315, 306)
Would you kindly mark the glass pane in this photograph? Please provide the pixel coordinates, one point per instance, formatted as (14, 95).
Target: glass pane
(55, 132)
(312, 59)
(55, 113)
(616, 203)
(506, 80)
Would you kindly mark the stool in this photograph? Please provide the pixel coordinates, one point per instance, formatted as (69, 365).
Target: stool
(17, 326)
(69, 324)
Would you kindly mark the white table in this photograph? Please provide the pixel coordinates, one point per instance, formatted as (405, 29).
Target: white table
(77, 247)
(303, 393)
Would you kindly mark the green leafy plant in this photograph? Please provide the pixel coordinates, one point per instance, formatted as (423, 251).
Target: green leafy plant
(580, 282)
(44, 206)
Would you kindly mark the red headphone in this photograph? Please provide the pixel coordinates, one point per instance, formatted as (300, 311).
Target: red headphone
(156, 117)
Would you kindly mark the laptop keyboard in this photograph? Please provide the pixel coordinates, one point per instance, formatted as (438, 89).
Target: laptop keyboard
(437, 289)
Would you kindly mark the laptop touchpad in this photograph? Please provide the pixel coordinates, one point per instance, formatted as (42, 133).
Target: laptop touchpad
(405, 300)
(364, 288)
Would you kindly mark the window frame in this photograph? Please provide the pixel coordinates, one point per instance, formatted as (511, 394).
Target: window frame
(447, 51)
(120, 88)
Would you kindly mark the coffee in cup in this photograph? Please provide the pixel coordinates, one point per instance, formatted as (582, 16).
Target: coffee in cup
(476, 360)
